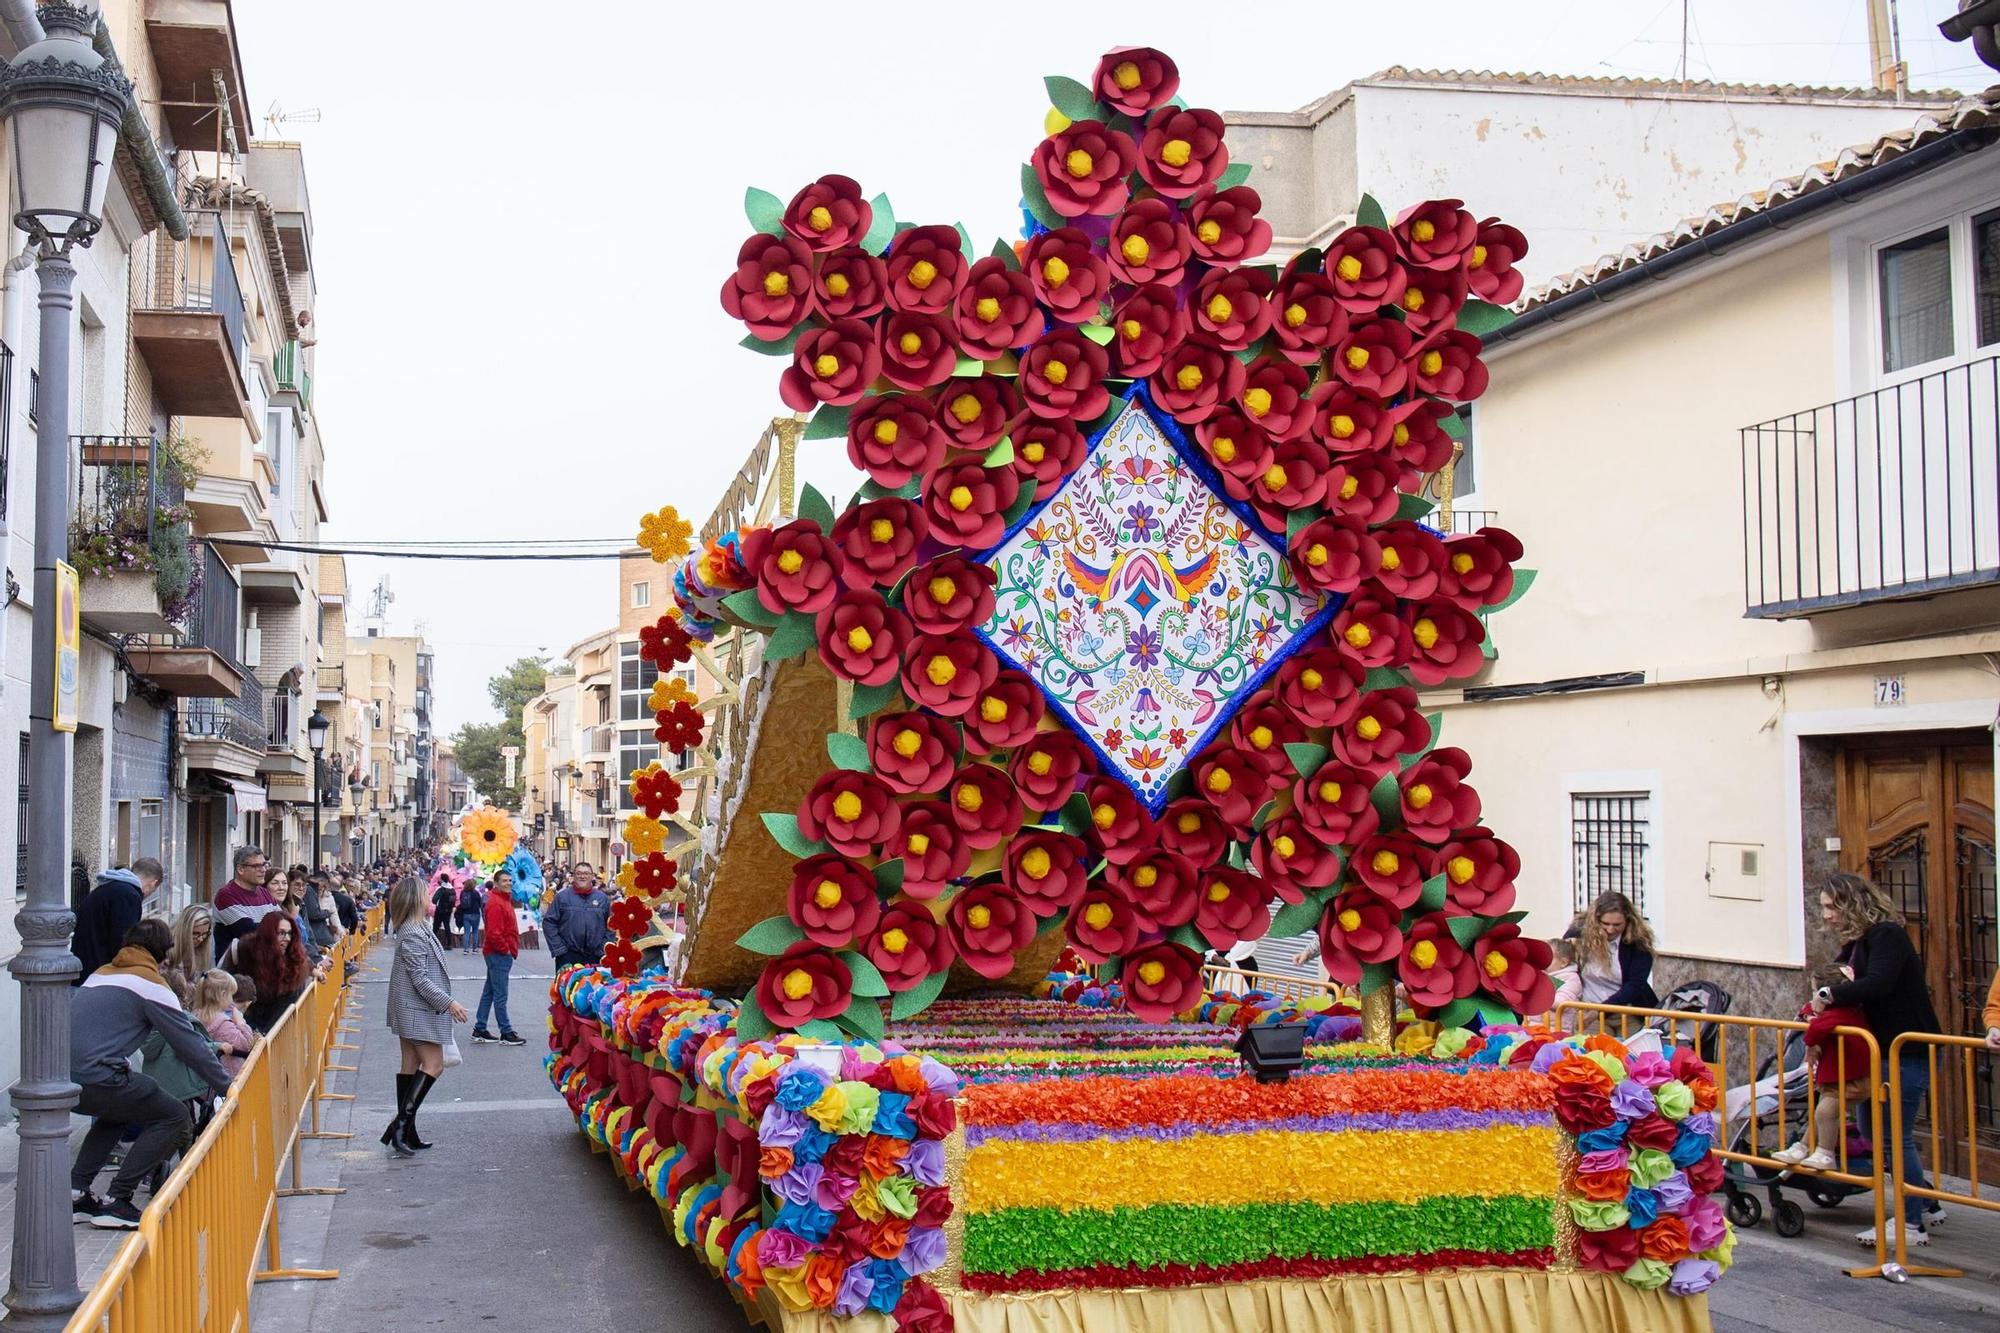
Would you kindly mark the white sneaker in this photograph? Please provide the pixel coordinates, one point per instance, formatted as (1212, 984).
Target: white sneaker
(1917, 1237)
(1933, 1214)
(1793, 1155)
(1819, 1160)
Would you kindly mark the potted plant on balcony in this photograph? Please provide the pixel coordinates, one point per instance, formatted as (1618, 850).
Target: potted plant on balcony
(115, 451)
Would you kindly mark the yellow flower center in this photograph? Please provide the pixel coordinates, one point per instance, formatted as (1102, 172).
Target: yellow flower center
(1152, 972)
(1424, 954)
(1258, 401)
(966, 408)
(1104, 815)
(1188, 378)
(895, 940)
(1295, 315)
(1368, 728)
(1219, 309)
(881, 531)
(777, 284)
(1218, 892)
(1033, 451)
(1425, 632)
(1224, 449)
(942, 589)
(980, 917)
(922, 274)
(1413, 299)
(1275, 478)
(1126, 75)
(1357, 358)
(1431, 362)
(940, 670)
(1035, 863)
(960, 498)
(1329, 791)
(1284, 847)
(1423, 230)
(1135, 248)
(1146, 876)
(1055, 271)
(1419, 796)
(1078, 162)
(860, 640)
(791, 561)
(886, 430)
(1359, 635)
(1311, 679)
(1219, 781)
(1462, 563)
(1399, 435)
(910, 344)
(827, 895)
(1097, 915)
(992, 709)
(1040, 762)
(819, 219)
(969, 799)
(1176, 152)
(1056, 372)
(826, 365)
(1341, 425)
(1261, 737)
(1350, 919)
(836, 284)
(1461, 869)
(917, 844)
(1478, 257)
(987, 308)
(847, 807)
(1349, 268)
(1350, 487)
(1130, 330)
(1188, 823)
(1210, 231)
(1392, 559)
(1495, 965)
(907, 742)
(798, 984)
(1386, 862)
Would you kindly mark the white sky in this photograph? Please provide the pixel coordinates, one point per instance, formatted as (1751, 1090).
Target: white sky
(521, 225)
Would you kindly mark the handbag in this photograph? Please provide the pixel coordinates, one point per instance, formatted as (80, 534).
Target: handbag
(452, 1059)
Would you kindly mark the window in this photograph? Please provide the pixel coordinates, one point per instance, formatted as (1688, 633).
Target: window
(1465, 475)
(1986, 276)
(1915, 277)
(1608, 844)
(642, 594)
(21, 822)
(635, 683)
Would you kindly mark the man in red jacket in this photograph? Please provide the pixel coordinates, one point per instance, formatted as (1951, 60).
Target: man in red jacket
(502, 946)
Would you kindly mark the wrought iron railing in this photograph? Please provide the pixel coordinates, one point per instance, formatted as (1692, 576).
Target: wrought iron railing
(241, 720)
(195, 274)
(1472, 520)
(1888, 494)
(119, 496)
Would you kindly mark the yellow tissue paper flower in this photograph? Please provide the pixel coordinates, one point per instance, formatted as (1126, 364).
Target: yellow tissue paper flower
(665, 534)
(645, 834)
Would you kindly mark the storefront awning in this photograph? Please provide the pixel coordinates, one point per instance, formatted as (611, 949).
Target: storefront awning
(249, 796)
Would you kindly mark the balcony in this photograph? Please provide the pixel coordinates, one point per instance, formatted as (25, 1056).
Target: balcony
(284, 741)
(227, 735)
(193, 44)
(187, 321)
(1471, 520)
(289, 368)
(201, 659)
(128, 538)
(1886, 496)
(333, 683)
(600, 744)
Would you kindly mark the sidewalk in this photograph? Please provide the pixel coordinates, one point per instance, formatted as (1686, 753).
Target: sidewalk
(94, 1248)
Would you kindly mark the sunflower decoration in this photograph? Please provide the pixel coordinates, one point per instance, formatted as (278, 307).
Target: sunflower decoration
(487, 835)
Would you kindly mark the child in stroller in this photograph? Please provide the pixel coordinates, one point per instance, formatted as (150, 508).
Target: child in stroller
(1840, 1078)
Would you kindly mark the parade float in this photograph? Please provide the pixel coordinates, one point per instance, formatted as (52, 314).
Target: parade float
(482, 844)
(1114, 656)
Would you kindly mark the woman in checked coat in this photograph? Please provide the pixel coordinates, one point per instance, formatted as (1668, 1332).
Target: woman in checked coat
(421, 1010)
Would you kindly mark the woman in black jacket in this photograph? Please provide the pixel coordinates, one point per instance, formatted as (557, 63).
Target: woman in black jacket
(1615, 954)
(1889, 987)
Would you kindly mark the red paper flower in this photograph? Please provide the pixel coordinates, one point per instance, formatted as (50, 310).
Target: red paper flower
(1514, 969)
(620, 958)
(1358, 928)
(1276, 396)
(861, 637)
(1068, 276)
(1347, 422)
(1392, 867)
(804, 983)
(1227, 230)
(968, 503)
(1148, 325)
(1191, 827)
(1653, 1131)
(1231, 307)
(921, 1309)
(1333, 554)
(906, 946)
(989, 926)
(1432, 299)
(665, 642)
(1293, 858)
(655, 873)
(1181, 151)
(1365, 270)
(1434, 970)
(1194, 378)
(1294, 479)
(1706, 1175)
(949, 593)
(1436, 801)
(1310, 318)
(1362, 486)
(1417, 441)
(1005, 713)
(973, 413)
(1082, 169)
(796, 567)
(1447, 365)
(1611, 1251)
(1369, 630)
(678, 727)
(1489, 266)
(1438, 234)
(912, 752)
(629, 916)
(995, 311)
(878, 540)
(946, 672)
(1239, 449)
(832, 899)
(1333, 803)
(1373, 356)
(850, 284)
(933, 851)
(1047, 766)
(1123, 829)
(1236, 782)
(834, 365)
(1445, 642)
(984, 805)
(926, 270)
(1479, 873)
(829, 213)
(1321, 687)
(1161, 980)
(1235, 906)
(917, 350)
(1162, 886)
(771, 289)
(656, 791)
(1410, 560)
(853, 813)
(893, 437)
(1149, 243)
(1046, 451)
(1062, 376)
(1103, 924)
(1265, 728)
(1385, 724)
(1479, 568)
(1047, 870)
(1135, 79)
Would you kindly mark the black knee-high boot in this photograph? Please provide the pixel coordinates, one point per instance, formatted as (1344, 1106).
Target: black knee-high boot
(402, 1098)
(394, 1135)
(420, 1089)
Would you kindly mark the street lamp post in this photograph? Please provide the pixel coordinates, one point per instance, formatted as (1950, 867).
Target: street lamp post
(316, 729)
(63, 101)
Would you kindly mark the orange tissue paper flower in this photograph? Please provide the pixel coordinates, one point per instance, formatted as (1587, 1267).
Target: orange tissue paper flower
(1580, 1073)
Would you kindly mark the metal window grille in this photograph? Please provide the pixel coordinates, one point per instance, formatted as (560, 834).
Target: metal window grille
(1608, 833)
(21, 821)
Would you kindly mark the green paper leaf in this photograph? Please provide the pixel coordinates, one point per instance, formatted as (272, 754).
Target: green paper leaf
(1465, 929)
(772, 935)
(867, 978)
(1437, 730)
(765, 211)
(969, 367)
(1185, 935)
(883, 229)
(1036, 199)
(785, 832)
(1101, 334)
(1452, 423)
(1387, 798)
(1075, 815)
(1457, 1014)
(1412, 507)
(848, 752)
(872, 698)
(1238, 858)
(1309, 260)
(1296, 918)
(816, 507)
(1483, 317)
(1374, 976)
(1368, 213)
(1005, 254)
(791, 638)
(1432, 899)
(1233, 175)
(1383, 678)
(1180, 784)
(965, 244)
(819, 1029)
(872, 490)
(1051, 922)
(1524, 579)
(782, 347)
(1299, 520)
(1263, 816)
(910, 1003)
(1493, 1011)
(748, 607)
(1020, 506)
(1001, 454)
(1306, 757)
(889, 876)
(863, 1015)
(1072, 98)
(1507, 919)
(751, 1024)
(829, 423)
(1489, 649)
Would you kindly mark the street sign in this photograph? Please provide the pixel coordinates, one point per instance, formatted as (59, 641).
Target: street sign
(69, 647)
(562, 842)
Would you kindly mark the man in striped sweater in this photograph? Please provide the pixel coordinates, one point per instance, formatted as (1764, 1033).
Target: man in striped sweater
(242, 904)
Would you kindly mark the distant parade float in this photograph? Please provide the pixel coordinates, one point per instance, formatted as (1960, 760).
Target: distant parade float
(1115, 660)
(482, 845)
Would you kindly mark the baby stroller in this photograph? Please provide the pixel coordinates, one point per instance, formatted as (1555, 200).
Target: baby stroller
(1696, 997)
(1777, 1125)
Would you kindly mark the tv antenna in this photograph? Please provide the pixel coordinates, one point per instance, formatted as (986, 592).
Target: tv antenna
(276, 115)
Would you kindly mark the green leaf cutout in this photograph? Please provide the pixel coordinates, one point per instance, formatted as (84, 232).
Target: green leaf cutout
(1457, 1014)
(1101, 334)
(969, 367)
(1005, 254)
(1306, 757)
(910, 1003)
(1368, 213)
(867, 979)
(751, 1024)
(1524, 579)
(1432, 899)
(791, 638)
(785, 832)
(1465, 929)
(747, 607)
(819, 1029)
(1072, 98)
(1036, 199)
(1483, 317)
(1297, 918)
(1412, 507)
(863, 1016)
(782, 347)
(1299, 520)
(816, 507)
(1387, 798)
(1383, 678)
(882, 229)
(889, 876)
(870, 699)
(1001, 454)
(1020, 505)
(965, 244)
(1374, 976)
(772, 935)
(1233, 175)
(829, 423)
(765, 211)
(848, 752)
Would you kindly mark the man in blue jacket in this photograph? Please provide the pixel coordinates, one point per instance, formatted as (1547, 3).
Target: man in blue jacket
(113, 907)
(576, 923)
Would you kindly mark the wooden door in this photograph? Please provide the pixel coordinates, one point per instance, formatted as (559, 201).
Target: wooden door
(1916, 816)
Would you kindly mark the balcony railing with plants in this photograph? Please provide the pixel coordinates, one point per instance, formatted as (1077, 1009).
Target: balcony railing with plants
(131, 513)
(289, 368)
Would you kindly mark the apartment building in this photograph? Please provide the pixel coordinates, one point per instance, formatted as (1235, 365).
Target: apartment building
(390, 677)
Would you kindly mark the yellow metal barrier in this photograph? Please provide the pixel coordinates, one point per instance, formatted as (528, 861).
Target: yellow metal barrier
(193, 1261)
(1235, 981)
(1686, 1028)
(1932, 1044)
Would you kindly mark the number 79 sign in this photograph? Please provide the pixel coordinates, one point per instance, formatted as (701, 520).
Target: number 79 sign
(1890, 692)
